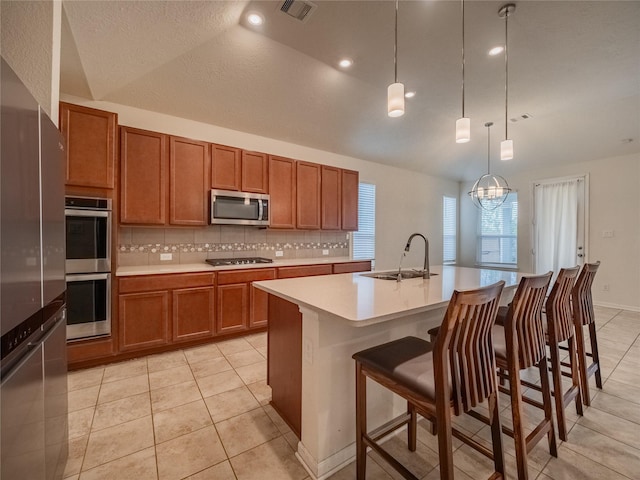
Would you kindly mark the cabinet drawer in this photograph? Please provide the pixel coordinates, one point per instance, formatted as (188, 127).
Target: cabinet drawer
(243, 276)
(145, 283)
(352, 267)
(304, 271)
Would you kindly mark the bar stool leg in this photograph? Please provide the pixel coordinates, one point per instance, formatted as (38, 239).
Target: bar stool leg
(546, 400)
(496, 436)
(558, 394)
(445, 444)
(582, 365)
(519, 434)
(361, 422)
(412, 427)
(574, 373)
(594, 353)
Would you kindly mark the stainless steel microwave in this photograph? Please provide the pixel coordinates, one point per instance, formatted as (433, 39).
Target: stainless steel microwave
(239, 208)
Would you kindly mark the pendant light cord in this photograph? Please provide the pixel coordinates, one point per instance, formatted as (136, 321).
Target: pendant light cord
(506, 74)
(395, 48)
(488, 125)
(463, 58)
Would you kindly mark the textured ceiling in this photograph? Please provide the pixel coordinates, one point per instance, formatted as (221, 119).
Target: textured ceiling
(574, 66)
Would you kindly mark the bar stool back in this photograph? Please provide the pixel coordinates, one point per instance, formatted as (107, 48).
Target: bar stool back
(560, 329)
(438, 380)
(583, 315)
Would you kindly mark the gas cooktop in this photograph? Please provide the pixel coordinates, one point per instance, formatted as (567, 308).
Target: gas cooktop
(219, 262)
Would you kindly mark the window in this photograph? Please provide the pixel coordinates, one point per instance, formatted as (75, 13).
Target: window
(449, 229)
(498, 236)
(364, 240)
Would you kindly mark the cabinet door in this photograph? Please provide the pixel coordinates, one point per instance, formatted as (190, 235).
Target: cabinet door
(282, 185)
(90, 137)
(331, 185)
(259, 308)
(305, 271)
(188, 181)
(193, 313)
(255, 172)
(233, 308)
(143, 320)
(225, 167)
(308, 195)
(143, 165)
(350, 181)
(351, 267)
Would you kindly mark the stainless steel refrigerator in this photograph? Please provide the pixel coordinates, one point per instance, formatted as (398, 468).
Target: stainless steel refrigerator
(33, 365)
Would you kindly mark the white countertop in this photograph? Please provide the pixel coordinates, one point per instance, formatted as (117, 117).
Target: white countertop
(364, 300)
(205, 267)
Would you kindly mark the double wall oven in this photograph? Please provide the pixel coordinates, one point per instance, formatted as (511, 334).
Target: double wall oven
(88, 267)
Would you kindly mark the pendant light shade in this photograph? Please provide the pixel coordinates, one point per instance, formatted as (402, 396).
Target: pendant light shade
(395, 100)
(463, 130)
(506, 146)
(506, 150)
(463, 125)
(395, 92)
(489, 191)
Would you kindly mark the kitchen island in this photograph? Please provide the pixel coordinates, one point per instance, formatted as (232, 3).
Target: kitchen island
(317, 323)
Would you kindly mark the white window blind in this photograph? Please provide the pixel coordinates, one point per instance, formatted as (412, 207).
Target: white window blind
(449, 229)
(364, 240)
(498, 236)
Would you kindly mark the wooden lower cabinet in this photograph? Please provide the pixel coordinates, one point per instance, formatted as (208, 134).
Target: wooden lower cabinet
(352, 267)
(144, 320)
(240, 306)
(305, 271)
(233, 301)
(193, 313)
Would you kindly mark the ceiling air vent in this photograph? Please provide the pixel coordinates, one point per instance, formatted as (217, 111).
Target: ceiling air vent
(299, 9)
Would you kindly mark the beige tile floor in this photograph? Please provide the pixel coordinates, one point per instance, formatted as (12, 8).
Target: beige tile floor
(203, 413)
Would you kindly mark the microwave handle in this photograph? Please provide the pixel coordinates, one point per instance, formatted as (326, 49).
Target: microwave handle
(260, 210)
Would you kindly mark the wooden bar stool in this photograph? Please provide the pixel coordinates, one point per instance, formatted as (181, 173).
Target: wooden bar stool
(583, 315)
(560, 329)
(438, 380)
(519, 343)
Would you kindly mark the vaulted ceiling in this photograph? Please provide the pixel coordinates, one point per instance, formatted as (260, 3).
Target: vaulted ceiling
(574, 67)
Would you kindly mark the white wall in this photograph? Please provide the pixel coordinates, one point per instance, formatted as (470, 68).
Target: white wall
(406, 201)
(614, 204)
(30, 43)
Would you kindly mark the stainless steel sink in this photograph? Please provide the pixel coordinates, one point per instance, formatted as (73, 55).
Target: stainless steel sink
(393, 274)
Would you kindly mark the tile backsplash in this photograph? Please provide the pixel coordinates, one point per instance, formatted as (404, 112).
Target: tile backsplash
(143, 246)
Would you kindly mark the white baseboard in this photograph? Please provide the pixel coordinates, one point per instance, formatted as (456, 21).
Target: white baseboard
(632, 308)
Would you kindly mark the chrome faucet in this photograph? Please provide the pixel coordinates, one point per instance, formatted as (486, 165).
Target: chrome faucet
(425, 269)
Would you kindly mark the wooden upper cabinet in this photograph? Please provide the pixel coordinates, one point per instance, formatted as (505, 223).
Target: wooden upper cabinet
(90, 137)
(331, 210)
(143, 177)
(350, 183)
(308, 195)
(189, 181)
(225, 167)
(282, 185)
(255, 172)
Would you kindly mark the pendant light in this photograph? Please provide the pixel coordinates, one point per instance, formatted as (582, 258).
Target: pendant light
(506, 146)
(489, 191)
(395, 92)
(463, 125)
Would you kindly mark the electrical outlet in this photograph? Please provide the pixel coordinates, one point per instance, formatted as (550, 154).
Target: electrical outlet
(279, 253)
(605, 287)
(325, 252)
(607, 234)
(166, 256)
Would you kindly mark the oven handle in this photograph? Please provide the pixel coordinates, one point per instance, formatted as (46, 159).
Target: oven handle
(86, 213)
(87, 276)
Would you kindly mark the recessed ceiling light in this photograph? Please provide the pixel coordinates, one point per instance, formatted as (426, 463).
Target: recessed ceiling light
(410, 94)
(345, 62)
(496, 50)
(255, 19)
